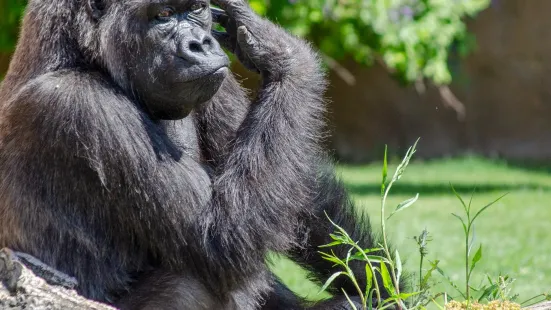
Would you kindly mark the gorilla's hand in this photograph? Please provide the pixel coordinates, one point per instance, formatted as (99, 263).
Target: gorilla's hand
(258, 44)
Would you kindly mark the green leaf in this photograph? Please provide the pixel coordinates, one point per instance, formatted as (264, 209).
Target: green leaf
(471, 243)
(331, 258)
(428, 274)
(487, 206)
(330, 244)
(398, 263)
(403, 205)
(404, 296)
(450, 281)
(330, 280)
(460, 199)
(387, 280)
(462, 222)
(476, 258)
(368, 279)
(487, 292)
(361, 255)
(405, 162)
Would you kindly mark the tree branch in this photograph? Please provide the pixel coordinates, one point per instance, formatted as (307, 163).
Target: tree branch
(27, 283)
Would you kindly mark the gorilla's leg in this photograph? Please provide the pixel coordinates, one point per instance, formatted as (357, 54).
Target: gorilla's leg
(333, 200)
(168, 291)
(282, 298)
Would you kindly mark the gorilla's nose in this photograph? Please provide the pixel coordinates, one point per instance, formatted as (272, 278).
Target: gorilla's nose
(198, 46)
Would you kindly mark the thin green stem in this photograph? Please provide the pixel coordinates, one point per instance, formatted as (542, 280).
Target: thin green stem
(385, 245)
(421, 272)
(529, 299)
(467, 264)
(374, 276)
(355, 282)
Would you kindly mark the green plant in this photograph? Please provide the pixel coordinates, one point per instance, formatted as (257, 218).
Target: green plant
(388, 266)
(469, 233)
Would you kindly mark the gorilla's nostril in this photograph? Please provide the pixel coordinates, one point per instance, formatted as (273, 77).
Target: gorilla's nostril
(195, 47)
(207, 42)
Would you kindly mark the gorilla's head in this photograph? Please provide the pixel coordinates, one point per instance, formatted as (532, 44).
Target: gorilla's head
(160, 51)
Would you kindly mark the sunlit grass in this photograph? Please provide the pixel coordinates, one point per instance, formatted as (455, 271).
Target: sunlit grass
(515, 232)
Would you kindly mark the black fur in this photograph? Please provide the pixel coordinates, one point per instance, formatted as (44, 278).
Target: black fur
(114, 171)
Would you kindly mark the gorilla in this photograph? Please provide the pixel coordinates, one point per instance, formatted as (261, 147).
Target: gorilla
(132, 159)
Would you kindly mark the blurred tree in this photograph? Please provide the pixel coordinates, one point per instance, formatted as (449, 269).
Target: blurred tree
(412, 38)
(11, 11)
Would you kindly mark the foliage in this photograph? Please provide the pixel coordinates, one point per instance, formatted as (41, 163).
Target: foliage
(9, 21)
(411, 37)
(384, 271)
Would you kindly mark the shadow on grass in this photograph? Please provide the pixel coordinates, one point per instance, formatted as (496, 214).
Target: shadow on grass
(441, 189)
(533, 166)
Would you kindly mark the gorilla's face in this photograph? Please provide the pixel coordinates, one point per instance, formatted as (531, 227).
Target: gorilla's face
(177, 65)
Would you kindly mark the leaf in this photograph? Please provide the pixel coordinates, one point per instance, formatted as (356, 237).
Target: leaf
(331, 258)
(476, 258)
(471, 199)
(471, 243)
(368, 279)
(450, 281)
(405, 162)
(404, 204)
(428, 274)
(462, 222)
(487, 292)
(398, 263)
(487, 206)
(347, 259)
(330, 280)
(404, 296)
(330, 244)
(387, 280)
(360, 255)
(385, 172)
(460, 199)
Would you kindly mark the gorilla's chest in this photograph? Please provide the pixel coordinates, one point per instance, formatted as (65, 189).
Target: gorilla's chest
(182, 137)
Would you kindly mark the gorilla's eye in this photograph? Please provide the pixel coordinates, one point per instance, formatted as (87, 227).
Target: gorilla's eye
(165, 13)
(197, 8)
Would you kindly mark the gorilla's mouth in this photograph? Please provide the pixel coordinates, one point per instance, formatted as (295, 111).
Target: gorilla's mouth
(201, 71)
(213, 74)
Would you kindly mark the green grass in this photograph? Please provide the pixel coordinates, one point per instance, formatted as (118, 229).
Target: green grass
(515, 232)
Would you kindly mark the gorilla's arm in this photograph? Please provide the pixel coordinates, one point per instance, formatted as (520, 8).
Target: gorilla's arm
(219, 120)
(277, 55)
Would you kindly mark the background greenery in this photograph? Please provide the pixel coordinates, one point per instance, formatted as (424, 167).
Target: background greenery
(411, 37)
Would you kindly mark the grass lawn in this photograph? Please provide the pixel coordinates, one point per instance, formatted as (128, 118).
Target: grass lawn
(515, 233)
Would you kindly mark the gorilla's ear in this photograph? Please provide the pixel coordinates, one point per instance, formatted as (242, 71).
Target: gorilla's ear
(95, 8)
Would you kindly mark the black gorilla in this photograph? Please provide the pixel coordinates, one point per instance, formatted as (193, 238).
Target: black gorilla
(131, 158)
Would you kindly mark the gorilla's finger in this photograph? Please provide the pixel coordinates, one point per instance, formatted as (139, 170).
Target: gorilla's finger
(224, 39)
(234, 8)
(245, 38)
(219, 16)
(247, 43)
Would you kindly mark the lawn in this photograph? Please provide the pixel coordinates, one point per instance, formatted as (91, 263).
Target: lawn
(515, 232)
